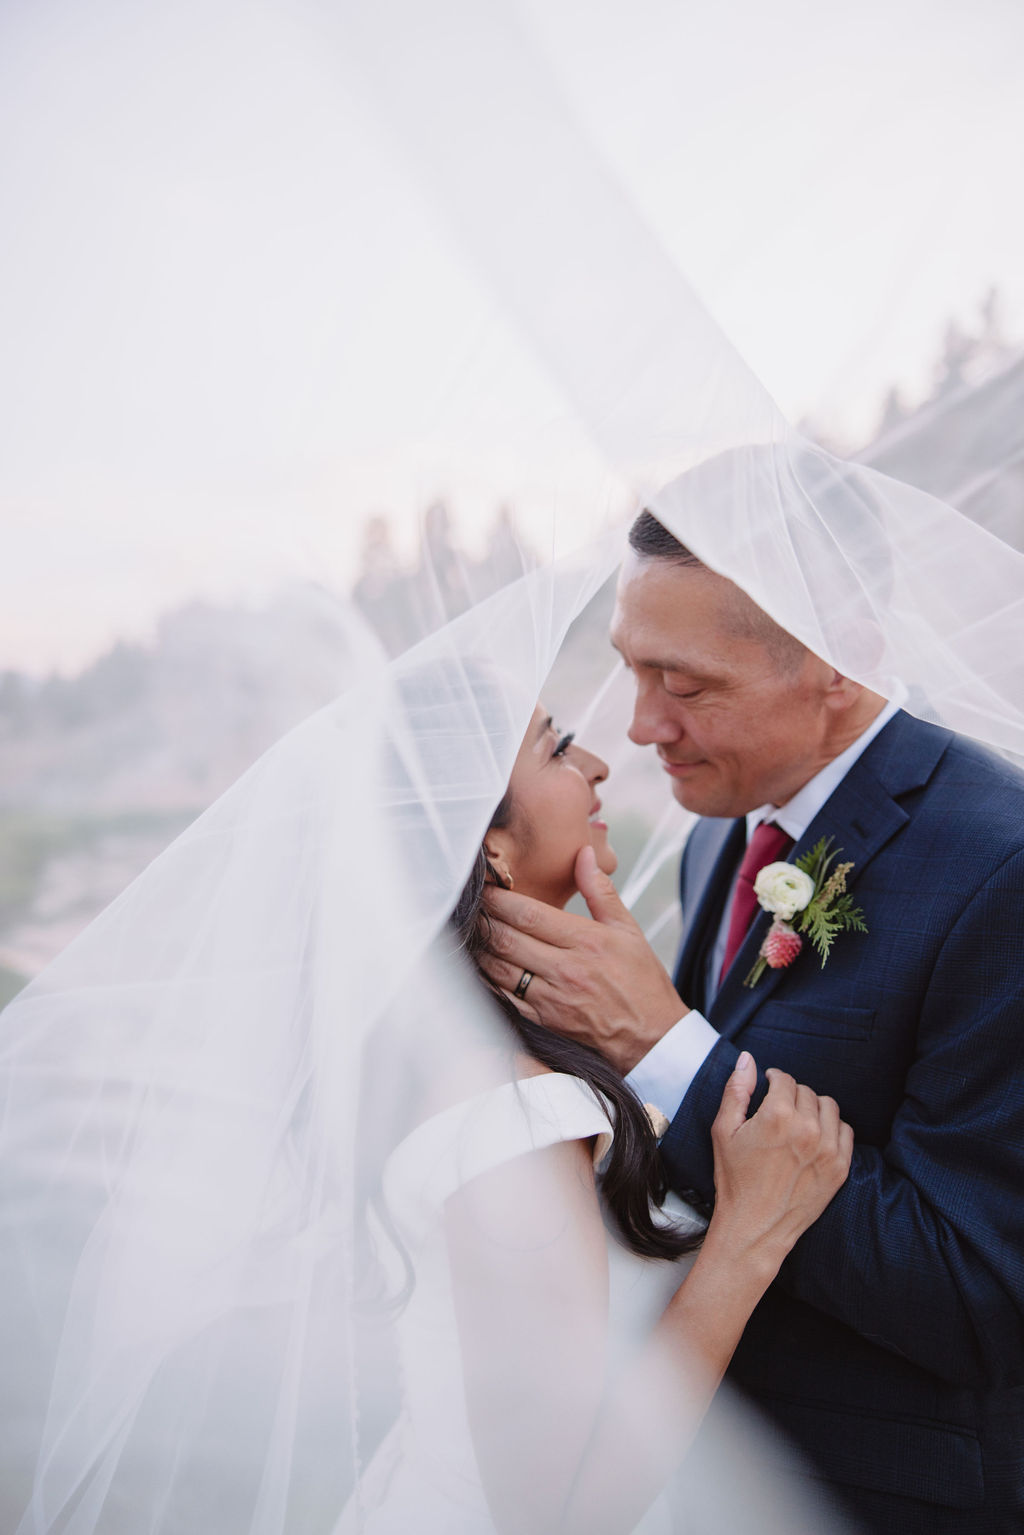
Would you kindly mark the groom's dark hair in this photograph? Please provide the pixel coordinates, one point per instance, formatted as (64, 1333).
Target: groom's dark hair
(651, 540)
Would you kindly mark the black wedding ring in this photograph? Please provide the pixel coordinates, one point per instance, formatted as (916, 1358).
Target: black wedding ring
(524, 981)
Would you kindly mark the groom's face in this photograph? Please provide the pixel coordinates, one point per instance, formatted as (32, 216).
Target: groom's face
(737, 710)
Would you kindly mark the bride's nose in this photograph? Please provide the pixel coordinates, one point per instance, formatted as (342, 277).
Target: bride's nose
(595, 767)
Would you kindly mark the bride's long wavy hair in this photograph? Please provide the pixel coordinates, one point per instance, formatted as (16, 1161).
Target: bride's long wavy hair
(450, 706)
(632, 1179)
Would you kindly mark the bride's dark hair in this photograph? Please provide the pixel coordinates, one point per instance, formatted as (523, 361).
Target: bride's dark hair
(633, 1178)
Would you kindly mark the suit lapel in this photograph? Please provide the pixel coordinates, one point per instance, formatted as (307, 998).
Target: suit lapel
(709, 865)
(862, 816)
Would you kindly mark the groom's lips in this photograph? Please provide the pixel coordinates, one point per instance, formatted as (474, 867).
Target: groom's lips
(680, 769)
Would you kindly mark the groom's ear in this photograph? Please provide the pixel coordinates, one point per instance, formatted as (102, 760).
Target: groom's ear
(841, 693)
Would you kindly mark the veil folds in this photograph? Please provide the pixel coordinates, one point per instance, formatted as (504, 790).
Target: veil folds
(201, 1092)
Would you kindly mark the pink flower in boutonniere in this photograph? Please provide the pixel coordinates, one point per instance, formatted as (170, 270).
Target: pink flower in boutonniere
(781, 946)
(807, 896)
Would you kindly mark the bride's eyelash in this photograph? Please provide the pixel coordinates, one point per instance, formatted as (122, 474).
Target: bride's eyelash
(564, 742)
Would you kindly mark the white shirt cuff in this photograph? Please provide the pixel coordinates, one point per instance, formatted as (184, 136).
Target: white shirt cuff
(664, 1075)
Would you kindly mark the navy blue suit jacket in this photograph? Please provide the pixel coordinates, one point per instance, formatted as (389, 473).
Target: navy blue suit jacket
(891, 1347)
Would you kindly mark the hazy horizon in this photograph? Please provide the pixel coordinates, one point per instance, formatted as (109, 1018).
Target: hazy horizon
(231, 335)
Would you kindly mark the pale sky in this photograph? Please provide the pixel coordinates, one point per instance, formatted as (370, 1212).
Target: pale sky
(229, 333)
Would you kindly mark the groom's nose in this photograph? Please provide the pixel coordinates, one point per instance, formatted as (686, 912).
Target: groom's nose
(654, 722)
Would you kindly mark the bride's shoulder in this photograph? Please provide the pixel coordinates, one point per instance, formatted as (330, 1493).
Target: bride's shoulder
(477, 1073)
(543, 1091)
(528, 1066)
(532, 1110)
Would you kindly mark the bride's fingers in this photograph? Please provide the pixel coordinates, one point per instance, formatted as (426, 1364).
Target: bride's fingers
(845, 1141)
(781, 1087)
(807, 1101)
(828, 1117)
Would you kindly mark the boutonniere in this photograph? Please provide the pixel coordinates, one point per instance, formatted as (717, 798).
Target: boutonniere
(808, 896)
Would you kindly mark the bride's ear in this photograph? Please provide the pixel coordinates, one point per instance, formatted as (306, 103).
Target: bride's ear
(498, 858)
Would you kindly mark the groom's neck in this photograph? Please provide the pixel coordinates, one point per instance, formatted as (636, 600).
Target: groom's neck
(843, 730)
(853, 724)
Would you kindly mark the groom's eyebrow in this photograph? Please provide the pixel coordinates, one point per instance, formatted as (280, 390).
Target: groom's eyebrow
(679, 667)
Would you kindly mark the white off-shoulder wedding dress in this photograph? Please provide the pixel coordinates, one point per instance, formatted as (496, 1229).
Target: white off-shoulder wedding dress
(424, 1476)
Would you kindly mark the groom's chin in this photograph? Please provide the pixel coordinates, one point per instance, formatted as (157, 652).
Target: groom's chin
(689, 795)
(701, 798)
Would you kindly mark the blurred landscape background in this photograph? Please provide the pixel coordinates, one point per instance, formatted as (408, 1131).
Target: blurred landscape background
(101, 769)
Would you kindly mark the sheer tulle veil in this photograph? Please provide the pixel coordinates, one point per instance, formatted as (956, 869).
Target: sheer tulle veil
(199, 1094)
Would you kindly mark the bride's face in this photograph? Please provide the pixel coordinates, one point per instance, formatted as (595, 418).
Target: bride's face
(554, 814)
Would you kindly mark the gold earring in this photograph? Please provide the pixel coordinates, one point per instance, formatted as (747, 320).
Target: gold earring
(500, 870)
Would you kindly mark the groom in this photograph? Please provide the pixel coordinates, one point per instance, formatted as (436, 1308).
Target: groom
(891, 1347)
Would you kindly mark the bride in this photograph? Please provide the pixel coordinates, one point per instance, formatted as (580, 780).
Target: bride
(293, 1237)
(515, 1419)
(294, 1219)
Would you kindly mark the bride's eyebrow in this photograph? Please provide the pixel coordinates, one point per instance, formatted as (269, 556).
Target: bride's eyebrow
(545, 726)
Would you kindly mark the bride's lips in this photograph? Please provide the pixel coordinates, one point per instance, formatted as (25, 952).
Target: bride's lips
(600, 825)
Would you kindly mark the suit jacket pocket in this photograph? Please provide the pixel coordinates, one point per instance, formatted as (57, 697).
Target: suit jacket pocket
(905, 1457)
(823, 1021)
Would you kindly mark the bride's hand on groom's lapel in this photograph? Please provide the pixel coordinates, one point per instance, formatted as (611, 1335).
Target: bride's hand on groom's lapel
(775, 1171)
(597, 981)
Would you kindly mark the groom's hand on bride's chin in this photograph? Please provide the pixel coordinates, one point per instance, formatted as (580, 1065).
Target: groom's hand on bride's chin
(598, 981)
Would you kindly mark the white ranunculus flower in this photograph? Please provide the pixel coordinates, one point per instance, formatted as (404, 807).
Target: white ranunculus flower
(783, 889)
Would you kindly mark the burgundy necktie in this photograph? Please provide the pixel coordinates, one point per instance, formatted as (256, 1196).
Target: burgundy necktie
(769, 844)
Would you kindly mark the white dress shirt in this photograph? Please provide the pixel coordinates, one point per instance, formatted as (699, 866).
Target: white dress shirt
(664, 1075)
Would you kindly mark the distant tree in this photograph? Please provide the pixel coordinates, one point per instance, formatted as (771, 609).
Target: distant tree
(381, 588)
(971, 353)
(992, 332)
(894, 411)
(442, 585)
(506, 557)
(15, 704)
(957, 349)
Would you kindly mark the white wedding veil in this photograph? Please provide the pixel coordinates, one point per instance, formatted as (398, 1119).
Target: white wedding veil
(200, 1287)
